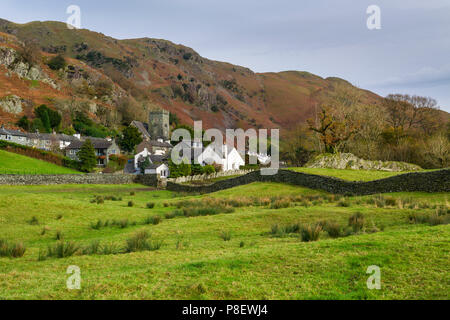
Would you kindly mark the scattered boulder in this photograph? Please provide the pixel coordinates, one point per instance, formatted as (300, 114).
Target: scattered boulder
(350, 161)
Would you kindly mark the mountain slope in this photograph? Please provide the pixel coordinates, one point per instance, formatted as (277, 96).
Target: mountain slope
(146, 73)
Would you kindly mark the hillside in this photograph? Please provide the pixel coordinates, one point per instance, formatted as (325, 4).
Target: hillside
(11, 163)
(115, 81)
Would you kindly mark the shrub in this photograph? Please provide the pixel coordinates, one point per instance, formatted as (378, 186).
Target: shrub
(57, 62)
(209, 169)
(132, 193)
(357, 222)
(225, 235)
(130, 203)
(11, 250)
(150, 205)
(166, 204)
(59, 217)
(241, 244)
(62, 250)
(310, 232)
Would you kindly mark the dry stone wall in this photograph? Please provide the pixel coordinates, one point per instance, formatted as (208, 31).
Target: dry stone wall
(433, 181)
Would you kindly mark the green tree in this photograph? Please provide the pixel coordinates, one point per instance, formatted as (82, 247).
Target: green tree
(54, 118)
(37, 125)
(24, 123)
(131, 137)
(197, 169)
(46, 122)
(87, 157)
(144, 164)
(184, 169)
(208, 169)
(180, 170)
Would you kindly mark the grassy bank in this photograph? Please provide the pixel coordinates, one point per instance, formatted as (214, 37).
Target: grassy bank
(12, 163)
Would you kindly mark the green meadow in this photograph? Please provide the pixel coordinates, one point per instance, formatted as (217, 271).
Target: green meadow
(245, 251)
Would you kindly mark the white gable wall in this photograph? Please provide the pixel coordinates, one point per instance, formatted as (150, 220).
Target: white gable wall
(228, 160)
(144, 153)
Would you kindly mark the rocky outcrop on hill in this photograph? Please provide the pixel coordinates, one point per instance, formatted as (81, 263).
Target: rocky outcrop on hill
(350, 161)
(14, 64)
(13, 104)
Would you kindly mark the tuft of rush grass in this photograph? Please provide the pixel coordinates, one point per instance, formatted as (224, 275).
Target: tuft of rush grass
(310, 232)
(152, 220)
(33, 221)
(356, 222)
(62, 250)
(11, 250)
(225, 235)
(140, 242)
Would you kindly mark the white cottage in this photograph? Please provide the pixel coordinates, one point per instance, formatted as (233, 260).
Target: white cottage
(156, 163)
(160, 169)
(228, 158)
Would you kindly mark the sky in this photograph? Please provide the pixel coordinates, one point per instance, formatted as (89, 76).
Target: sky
(409, 54)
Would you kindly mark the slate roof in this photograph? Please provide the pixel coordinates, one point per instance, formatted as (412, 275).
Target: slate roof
(152, 143)
(97, 143)
(154, 165)
(17, 133)
(156, 158)
(141, 127)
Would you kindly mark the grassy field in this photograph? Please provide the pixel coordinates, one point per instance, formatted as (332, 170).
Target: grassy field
(195, 262)
(12, 163)
(348, 174)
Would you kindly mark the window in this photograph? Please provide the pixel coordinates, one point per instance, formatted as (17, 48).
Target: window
(8, 137)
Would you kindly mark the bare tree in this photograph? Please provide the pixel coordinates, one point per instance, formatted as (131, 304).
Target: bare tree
(437, 151)
(414, 112)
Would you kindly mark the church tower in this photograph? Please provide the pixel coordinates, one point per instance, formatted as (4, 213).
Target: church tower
(159, 124)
